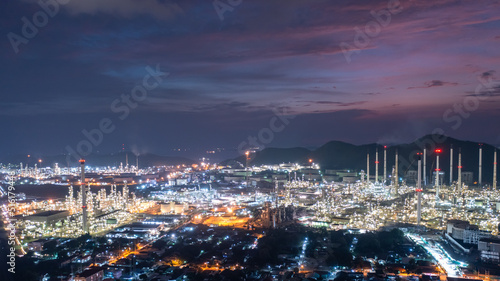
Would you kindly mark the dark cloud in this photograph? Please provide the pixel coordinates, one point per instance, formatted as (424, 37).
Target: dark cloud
(487, 74)
(491, 90)
(336, 102)
(435, 83)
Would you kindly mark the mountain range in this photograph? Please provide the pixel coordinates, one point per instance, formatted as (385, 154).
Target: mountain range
(336, 155)
(342, 155)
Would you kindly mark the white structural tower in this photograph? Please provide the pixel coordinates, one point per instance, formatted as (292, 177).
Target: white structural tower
(480, 175)
(419, 189)
(459, 182)
(367, 167)
(451, 164)
(425, 166)
(376, 165)
(495, 169)
(84, 197)
(385, 164)
(396, 182)
(436, 184)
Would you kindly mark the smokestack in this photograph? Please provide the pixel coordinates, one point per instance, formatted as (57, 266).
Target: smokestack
(451, 164)
(436, 184)
(460, 170)
(480, 175)
(367, 167)
(84, 196)
(137, 161)
(376, 165)
(385, 164)
(276, 191)
(419, 189)
(495, 169)
(425, 166)
(396, 183)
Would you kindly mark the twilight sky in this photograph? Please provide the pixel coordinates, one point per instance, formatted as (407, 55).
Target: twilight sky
(433, 64)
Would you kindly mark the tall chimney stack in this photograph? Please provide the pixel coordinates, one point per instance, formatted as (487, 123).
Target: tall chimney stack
(451, 164)
(84, 197)
(385, 164)
(495, 169)
(436, 184)
(368, 167)
(480, 175)
(425, 166)
(459, 182)
(376, 165)
(396, 183)
(419, 189)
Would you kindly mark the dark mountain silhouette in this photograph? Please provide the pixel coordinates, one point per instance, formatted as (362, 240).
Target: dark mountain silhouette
(342, 155)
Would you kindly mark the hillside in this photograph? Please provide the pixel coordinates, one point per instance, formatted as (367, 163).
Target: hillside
(342, 155)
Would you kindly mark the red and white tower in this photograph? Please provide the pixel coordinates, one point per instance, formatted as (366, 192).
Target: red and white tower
(436, 183)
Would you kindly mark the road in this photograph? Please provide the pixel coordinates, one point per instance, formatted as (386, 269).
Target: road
(452, 267)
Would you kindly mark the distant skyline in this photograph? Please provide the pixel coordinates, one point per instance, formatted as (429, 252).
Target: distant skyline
(356, 71)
